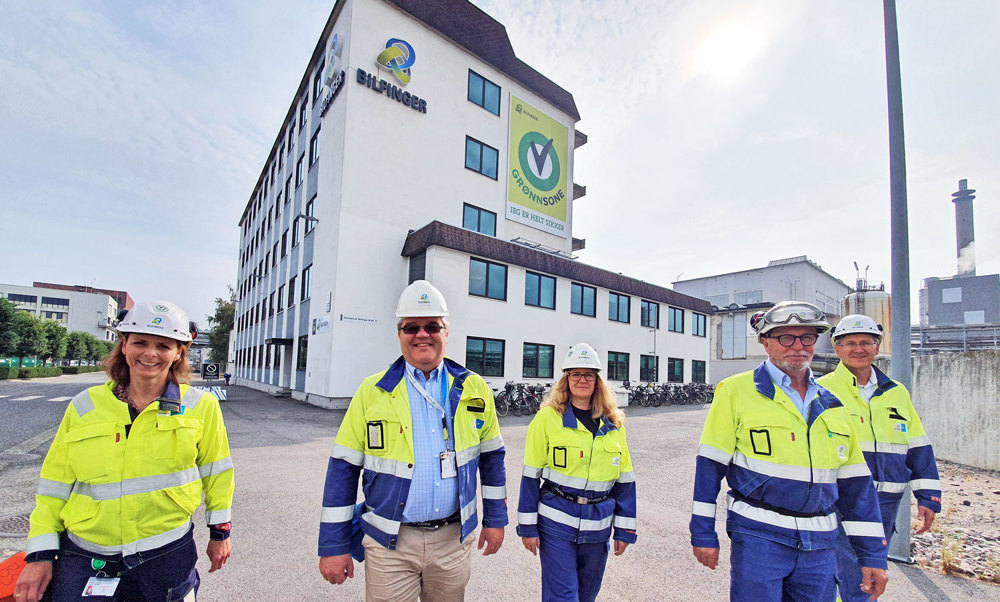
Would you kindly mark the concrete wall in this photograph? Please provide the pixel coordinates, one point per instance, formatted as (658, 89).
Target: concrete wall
(956, 395)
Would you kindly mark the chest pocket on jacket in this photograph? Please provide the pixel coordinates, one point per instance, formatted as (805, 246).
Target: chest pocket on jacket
(767, 440)
(382, 430)
(607, 466)
(176, 441)
(897, 424)
(88, 449)
(566, 457)
(838, 438)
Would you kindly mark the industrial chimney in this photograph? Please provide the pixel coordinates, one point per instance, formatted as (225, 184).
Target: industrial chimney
(964, 229)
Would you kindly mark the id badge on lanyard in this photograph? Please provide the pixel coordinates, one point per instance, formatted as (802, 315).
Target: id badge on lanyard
(448, 458)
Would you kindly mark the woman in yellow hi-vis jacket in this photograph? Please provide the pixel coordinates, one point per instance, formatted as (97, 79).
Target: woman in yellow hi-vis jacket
(126, 471)
(577, 485)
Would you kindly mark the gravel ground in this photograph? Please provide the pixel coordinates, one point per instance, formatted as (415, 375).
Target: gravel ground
(965, 537)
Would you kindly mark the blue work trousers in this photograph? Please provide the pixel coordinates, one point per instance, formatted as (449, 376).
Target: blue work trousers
(571, 571)
(767, 571)
(167, 573)
(849, 567)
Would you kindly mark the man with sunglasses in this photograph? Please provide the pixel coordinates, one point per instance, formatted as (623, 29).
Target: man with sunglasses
(419, 431)
(896, 447)
(793, 462)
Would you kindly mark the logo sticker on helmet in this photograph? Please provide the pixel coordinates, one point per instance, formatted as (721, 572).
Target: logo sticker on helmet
(163, 309)
(156, 321)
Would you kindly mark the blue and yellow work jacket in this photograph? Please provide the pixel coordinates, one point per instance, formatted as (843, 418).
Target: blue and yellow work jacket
(561, 451)
(114, 494)
(375, 437)
(788, 476)
(895, 445)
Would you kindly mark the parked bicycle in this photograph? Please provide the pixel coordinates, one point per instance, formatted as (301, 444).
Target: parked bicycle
(502, 399)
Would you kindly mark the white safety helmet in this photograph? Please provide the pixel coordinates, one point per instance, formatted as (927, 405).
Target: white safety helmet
(582, 355)
(421, 300)
(857, 324)
(789, 313)
(161, 318)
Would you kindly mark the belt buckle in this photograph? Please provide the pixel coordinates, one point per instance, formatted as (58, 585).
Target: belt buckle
(581, 500)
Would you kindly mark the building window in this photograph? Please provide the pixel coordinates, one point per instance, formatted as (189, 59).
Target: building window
(314, 148)
(311, 212)
(418, 267)
(484, 93)
(298, 170)
(302, 111)
(698, 323)
(537, 360)
(479, 220)
(618, 306)
(539, 290)
(16, 298)
(649, 368)
(281, 156)
(274, 255)
(291, 291)
(303, 352)
(288, 189)
(484, 356)
(318, 80)
(295, 233)
(650, 314)
(675, 319)
(270, 306)
(487, 279)
(481, 157)
(306, 282)
(281, 298)
(284, 242)
(54, 302)
(697, 371)
(675, 370)
(617, 365)
(583, 300)
(291, 133)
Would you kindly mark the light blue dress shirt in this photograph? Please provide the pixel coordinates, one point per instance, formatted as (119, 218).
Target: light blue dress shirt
(784, 382)
(430, 496)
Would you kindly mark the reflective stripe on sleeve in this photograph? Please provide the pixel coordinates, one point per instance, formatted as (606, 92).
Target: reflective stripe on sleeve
(54, 489)
(39, 543)
(891, 448)
(867, 446)
(859, 528)
(468, 510)
(491, 444)
(218, 517)
(919, 441)
(625, 522)
(385, 525)
(769, 517)
(336, 514)
(217, 467)
(889, 487)
(626, 477)
(463, 456)
(848, 471)
(713, 453)
(111, 491)
(192, 397)
(527, 518)
(491, 492)
(82, 403)
(934, 484)
(140, 545)
(351, 456)
(387, 466)
(703, 509)
(571, 521)
(531, 472)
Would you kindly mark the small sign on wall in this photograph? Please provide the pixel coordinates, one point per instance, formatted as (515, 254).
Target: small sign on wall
(321, 325)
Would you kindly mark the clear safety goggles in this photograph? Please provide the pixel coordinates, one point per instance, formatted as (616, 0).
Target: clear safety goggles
(804, 313)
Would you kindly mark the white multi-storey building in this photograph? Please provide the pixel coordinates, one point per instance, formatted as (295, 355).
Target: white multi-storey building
(418, 145)
(92, 313)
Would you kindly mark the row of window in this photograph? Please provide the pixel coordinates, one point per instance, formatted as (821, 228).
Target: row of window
(260, 356)
(270, 259)
(489, 279)
(486, 357)
(275, 302)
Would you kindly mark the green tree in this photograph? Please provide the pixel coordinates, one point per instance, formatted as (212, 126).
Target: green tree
(220, 326)
(30, 334)
(55, 341)
(76, 346)
(8, 334)
(94, 348)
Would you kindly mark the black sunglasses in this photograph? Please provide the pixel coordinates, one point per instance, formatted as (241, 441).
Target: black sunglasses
(431, 328)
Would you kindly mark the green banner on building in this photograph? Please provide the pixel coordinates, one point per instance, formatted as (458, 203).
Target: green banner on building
(537, 193)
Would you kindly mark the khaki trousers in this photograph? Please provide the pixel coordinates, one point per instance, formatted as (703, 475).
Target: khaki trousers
(432, 566)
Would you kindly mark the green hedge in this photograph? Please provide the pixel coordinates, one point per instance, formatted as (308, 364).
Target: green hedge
(39, 372)
(81, 369)
(7, 372)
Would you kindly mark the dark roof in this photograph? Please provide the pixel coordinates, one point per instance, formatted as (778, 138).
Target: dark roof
(471, 28)
(480, 245)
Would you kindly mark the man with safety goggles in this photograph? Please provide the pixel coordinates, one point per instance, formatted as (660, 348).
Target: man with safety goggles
(788, 450)
(420, 431)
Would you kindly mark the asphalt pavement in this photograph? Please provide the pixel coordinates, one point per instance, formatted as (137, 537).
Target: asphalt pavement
(280, 451)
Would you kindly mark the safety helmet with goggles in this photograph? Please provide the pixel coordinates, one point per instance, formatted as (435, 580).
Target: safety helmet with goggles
(857, 324)
(789, 313)
(160, 318)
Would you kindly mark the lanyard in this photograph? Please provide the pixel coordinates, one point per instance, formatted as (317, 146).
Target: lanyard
(444, 395)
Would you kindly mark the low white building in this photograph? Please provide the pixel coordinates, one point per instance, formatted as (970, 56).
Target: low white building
(418, 145)
(92, 313)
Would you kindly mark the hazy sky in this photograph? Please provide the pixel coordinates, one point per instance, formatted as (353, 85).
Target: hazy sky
(722, 134)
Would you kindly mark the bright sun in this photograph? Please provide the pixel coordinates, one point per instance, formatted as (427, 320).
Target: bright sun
(728, 51)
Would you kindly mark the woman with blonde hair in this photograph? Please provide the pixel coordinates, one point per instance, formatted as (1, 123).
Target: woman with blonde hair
(577, 487)
(127, 470)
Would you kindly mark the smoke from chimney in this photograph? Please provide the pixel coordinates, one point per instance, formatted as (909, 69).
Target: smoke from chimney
(965, 236)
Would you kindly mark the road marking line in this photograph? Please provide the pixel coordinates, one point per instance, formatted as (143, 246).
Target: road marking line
(30, 445)
(29, 397)
(4, 396)
(60, 399)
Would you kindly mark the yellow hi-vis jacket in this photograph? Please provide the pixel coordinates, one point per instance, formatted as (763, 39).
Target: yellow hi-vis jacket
(114, 494)
(789, 476)
(560, 450)
(892, 437)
